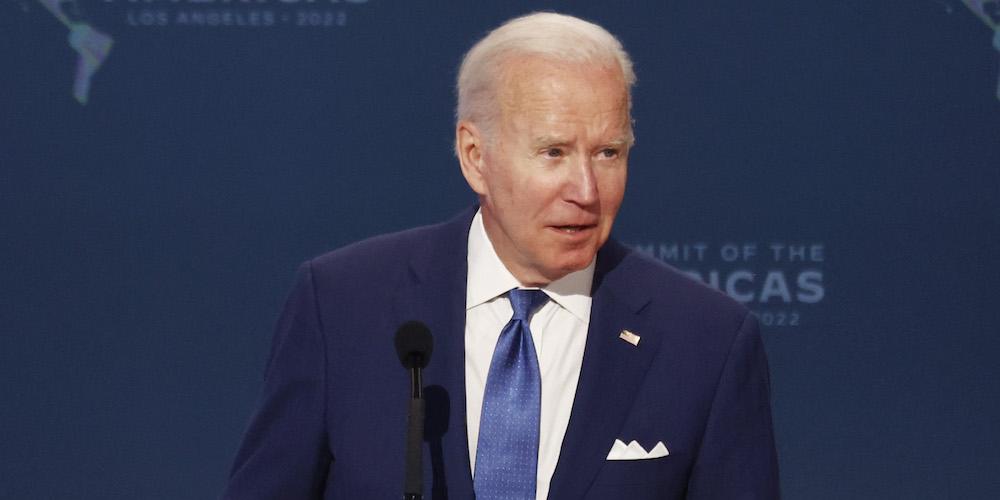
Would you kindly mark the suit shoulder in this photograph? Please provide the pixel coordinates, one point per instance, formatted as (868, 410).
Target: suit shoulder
(674, 291)
(671, 277)
(376, 256)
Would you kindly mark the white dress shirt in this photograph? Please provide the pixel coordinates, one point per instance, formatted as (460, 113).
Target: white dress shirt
(559, 331)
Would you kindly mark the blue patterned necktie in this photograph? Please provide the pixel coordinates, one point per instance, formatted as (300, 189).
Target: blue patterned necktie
(507, 450)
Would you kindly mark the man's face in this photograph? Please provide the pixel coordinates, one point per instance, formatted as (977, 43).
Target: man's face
(552, 178)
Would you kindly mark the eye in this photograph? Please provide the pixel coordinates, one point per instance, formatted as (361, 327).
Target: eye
(609, 153)
(553, 153)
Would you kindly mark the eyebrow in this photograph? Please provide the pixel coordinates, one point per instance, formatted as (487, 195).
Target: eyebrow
(550, 140)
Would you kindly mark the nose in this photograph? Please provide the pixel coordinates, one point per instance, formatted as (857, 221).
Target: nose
(581, 187)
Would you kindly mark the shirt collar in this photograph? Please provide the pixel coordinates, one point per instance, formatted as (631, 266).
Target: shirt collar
(489, 278)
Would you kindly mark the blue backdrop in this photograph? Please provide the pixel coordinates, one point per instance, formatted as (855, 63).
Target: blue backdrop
(836, 165)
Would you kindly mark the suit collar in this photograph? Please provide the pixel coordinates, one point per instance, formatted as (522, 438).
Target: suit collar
(442, 253)
(612, 276)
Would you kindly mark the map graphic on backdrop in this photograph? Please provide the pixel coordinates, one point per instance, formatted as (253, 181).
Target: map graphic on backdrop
(93, 45)
(989, 12)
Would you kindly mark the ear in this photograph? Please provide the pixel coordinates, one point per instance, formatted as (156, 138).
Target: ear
(469, 146)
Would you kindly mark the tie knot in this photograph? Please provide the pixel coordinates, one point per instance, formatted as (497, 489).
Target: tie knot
(525, 302)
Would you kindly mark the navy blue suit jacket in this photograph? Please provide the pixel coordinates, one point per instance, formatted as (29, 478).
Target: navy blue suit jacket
(332, 420)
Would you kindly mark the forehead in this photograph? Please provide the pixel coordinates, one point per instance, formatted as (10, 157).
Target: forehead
(539, 90)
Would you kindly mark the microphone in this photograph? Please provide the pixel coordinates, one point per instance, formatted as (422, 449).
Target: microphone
(414, 345)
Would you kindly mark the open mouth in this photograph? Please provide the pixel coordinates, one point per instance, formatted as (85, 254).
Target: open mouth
(573, 228)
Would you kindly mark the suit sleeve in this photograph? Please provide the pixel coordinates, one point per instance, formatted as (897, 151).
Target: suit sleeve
(284, 453)
(737, 459)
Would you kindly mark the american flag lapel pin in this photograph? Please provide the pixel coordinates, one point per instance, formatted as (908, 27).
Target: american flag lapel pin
(629, 337)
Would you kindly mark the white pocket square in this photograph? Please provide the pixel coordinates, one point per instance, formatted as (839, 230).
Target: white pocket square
(634, 451)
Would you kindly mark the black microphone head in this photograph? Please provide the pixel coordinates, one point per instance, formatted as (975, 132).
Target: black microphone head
(414, 344)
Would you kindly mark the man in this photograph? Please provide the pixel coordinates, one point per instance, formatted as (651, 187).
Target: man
(565, 365)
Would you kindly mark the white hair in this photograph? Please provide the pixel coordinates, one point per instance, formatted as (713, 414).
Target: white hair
(546, 34)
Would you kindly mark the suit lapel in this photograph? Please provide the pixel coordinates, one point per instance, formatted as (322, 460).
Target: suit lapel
(434, 292)
(612, 372)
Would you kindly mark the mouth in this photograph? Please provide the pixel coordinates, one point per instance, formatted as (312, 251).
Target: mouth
(573, 228)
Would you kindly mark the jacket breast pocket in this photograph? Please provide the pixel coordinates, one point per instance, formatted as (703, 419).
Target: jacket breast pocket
(653, 478)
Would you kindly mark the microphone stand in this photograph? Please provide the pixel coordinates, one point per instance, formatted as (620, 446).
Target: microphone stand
(414, 485)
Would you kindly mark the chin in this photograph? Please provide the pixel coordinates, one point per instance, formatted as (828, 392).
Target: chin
(573, 265)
